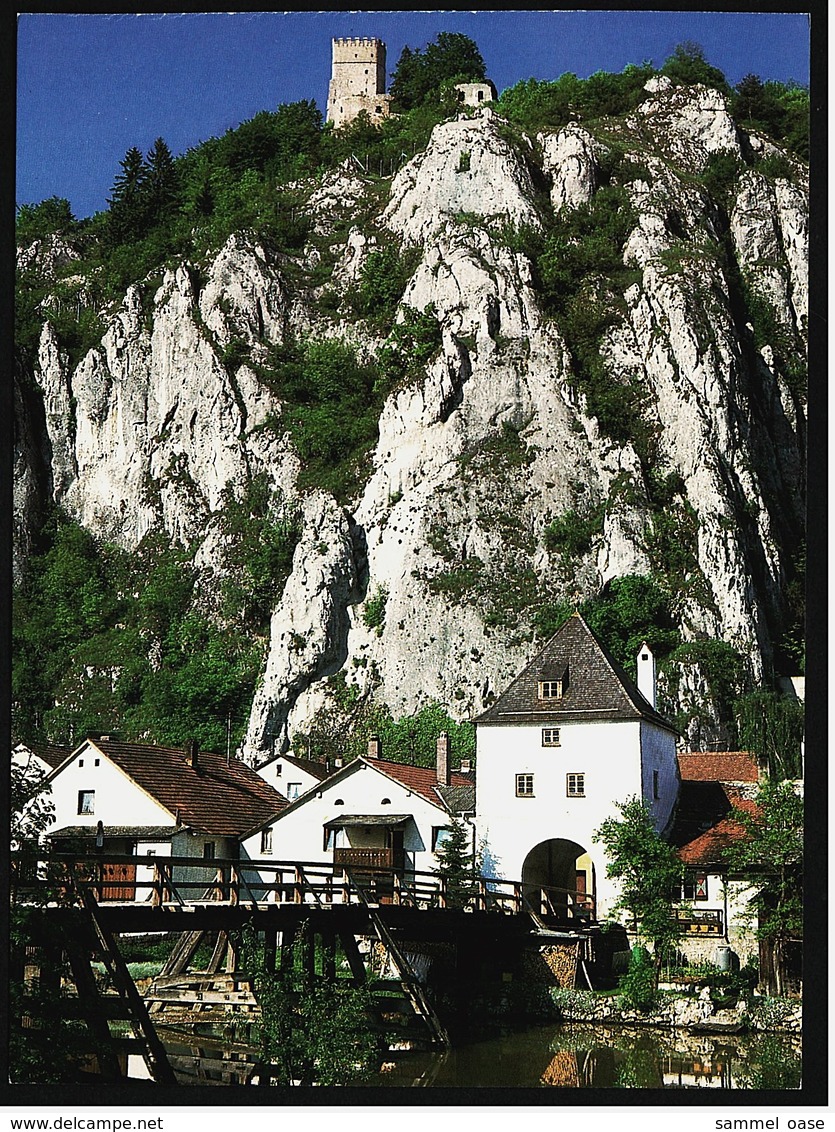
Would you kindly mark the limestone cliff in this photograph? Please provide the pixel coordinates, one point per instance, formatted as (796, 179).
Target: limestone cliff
(494, 438)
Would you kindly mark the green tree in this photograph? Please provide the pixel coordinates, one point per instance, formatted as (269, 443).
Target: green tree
(260, 537)
(650, 874)
(128, 204)
(688, 65)
(420, 73)
(628, 612)
(458, 864)
(31, 804)
(772, 726)
(36, 221)
(770, 857)
(315, 1033)
(160, 181)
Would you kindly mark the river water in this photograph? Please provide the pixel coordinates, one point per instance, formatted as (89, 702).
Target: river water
(547, 1056)
(584, 1056)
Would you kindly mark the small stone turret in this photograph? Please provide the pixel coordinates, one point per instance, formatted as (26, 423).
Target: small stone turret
(358, 81)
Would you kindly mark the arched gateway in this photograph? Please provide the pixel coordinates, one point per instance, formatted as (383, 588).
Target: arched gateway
(558, 875)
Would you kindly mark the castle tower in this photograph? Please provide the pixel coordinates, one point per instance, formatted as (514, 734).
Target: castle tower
(358, 81)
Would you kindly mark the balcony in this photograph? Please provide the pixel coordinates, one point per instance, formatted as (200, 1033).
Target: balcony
(367, 858)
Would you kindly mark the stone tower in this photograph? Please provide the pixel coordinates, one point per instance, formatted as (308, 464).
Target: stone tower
(358, 81)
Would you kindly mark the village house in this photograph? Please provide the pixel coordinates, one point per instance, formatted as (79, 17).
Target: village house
(569, 739)
(36, 760)
(372, 812)
(293, 776)
(713, 899)
(148, 801)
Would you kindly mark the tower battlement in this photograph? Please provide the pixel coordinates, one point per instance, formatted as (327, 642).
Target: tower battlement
(358, 80)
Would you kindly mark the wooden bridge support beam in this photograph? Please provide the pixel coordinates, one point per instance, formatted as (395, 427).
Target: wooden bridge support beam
(328, 940)
(270, 949)
(351, 950)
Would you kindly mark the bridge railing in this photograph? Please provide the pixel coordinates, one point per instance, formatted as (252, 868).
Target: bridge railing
(163, 881)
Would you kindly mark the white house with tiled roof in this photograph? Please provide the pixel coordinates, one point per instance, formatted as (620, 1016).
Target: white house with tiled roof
(569, 739)
(293, 776)
(712, 915)
(148, 801)
(371, 812)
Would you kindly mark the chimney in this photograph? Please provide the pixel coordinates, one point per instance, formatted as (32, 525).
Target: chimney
(374, 747)
(466, 766)
(192, 751)
(442, 760)
(646, 674)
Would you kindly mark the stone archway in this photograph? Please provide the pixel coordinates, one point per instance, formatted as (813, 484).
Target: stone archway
(564, 866)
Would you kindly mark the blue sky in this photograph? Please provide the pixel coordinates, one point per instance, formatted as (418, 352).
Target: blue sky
(91, 86)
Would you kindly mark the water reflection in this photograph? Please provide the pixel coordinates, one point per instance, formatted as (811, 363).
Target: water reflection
(565, 1057)
(577, 1056)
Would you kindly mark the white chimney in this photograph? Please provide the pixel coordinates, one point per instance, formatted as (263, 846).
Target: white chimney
(646, 674)
(442, 759)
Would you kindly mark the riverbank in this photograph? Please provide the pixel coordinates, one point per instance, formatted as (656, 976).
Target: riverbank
(696, 1013)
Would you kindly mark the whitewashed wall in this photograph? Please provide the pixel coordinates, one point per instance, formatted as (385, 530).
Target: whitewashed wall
(118, 800)
(616, 760)
(298, 833)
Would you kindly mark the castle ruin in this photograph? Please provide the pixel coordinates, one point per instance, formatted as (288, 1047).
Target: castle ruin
(358, 81)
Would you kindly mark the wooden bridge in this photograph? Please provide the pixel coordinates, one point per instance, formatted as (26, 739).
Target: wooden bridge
(180, 882)
(302, 912)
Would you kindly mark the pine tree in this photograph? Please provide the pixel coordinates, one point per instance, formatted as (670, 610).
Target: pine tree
(160, 180)
(128, 204)
(458, 864)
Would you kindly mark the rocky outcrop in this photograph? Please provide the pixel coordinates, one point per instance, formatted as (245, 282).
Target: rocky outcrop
(468, 167)
(494, 439)
(570, 159)
(309, 628)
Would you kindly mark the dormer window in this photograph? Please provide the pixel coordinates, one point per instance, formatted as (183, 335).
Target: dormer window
(554, 687)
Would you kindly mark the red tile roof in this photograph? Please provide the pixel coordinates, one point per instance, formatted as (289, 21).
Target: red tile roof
(50, 753)
(420, 779)
(718, 766)
(226, 799)
(708, 847)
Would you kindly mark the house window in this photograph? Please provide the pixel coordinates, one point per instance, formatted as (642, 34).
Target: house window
(267, 840)
(81, 762)
(524, 786)
(550, 689)
(554, 689)
(96, 762)
(550, 736)
(440, 835)
(694, 886)
(86, 801)
(293, 790)
(575, 785)
(655, 793)
(278, 769)
(208, 850)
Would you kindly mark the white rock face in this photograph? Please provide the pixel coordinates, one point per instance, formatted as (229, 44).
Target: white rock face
(570, 159)
(689, 124)
(160, 427)
(309, 627)
(466, 168)
(479, 453)
(770, 230)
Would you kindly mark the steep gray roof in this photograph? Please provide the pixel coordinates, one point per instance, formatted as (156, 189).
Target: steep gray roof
(595, 686)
